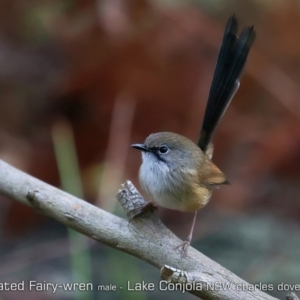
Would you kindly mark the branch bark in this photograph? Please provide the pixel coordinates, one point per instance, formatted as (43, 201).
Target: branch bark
(144, 237)
(291, 296)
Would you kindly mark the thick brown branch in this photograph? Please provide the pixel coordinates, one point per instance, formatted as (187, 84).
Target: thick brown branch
(144, 237)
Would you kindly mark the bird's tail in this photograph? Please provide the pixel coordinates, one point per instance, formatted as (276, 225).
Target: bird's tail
(231, 60)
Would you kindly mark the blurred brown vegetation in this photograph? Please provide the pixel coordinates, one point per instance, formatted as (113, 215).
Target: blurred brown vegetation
(117, 71)
(81, 60)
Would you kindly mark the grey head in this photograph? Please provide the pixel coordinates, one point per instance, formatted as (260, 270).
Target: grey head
(172, 149)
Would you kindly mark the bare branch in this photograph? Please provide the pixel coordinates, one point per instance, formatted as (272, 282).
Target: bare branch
(144, 237)
(291, 296)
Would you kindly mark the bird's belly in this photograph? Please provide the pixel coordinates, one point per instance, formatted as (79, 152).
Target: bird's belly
(186, 202)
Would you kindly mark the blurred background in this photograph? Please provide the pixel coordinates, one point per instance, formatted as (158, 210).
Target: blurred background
(81, 80)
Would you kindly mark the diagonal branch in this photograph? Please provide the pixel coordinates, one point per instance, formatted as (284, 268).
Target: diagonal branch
(145, 237)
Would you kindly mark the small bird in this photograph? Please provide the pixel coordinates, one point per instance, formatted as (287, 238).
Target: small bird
(178, 173)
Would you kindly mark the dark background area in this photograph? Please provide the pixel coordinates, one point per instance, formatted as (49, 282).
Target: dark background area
(91, 77)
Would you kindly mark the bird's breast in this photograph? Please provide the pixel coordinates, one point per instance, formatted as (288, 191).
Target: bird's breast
(171, 188)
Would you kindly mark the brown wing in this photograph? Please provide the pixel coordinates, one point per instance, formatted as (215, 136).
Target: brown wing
(211, 176)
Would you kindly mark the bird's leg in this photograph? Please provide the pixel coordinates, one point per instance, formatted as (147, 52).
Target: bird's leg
(185, 245)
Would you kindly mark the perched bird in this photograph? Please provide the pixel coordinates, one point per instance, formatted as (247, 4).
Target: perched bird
(178, 173)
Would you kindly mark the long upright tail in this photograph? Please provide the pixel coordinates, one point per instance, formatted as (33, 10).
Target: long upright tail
(231, 60)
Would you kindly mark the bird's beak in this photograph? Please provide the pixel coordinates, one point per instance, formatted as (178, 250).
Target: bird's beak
(141, 147)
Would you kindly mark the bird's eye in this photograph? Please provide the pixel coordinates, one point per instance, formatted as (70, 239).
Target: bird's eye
(163, 149)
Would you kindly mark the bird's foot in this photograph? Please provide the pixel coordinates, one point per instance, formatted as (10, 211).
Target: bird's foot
(184, 248)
